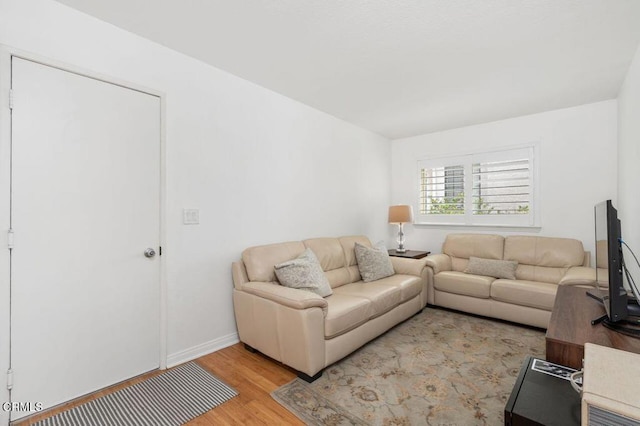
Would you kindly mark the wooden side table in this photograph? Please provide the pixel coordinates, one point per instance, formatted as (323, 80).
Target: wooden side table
(410, 254)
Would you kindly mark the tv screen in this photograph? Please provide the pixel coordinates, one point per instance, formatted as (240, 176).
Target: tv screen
(608, 268)
(609, 264)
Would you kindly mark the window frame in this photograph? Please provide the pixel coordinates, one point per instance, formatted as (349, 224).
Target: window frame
(467, 160)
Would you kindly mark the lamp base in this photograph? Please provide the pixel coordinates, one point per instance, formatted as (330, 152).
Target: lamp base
(400, 248)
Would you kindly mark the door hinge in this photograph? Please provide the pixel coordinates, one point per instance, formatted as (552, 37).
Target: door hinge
(10, 98)
(160, 251)
(9, 379)
(10, 242)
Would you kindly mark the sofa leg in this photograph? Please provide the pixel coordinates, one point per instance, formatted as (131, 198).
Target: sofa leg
(250, 349)
(310, 379)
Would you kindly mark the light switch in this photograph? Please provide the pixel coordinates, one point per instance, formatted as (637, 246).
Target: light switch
(190, 216)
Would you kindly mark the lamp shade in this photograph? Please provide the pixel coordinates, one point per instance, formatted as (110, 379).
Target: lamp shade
(400, 214)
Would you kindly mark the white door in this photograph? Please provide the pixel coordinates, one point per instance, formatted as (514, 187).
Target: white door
(85, 300)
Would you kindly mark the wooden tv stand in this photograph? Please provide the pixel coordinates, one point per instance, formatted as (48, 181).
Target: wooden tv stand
(570, 328)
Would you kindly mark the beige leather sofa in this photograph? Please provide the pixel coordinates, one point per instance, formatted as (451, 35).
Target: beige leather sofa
(543, 264)
(306, 331)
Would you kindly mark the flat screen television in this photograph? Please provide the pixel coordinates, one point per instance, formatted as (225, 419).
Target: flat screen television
(619, 305)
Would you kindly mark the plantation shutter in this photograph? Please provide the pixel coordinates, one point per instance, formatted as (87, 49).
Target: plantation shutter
(495, 188)
(501, 187)
(442, 190)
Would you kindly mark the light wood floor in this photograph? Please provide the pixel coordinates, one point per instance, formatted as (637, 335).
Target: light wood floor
(253, 375)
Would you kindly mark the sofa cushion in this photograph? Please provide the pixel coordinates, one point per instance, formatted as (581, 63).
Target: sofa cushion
(492, 268)
(543, 274)
(579, 275)
(348, 245)
(331, 256)
(304, 273)
(410, 285)
(525, 293)
(344, 313)
(543, 259)
(463, 246)
(544, 251)
(383, 297)
(465, 284)
(259, 260)
(328, 251)
(373, 262)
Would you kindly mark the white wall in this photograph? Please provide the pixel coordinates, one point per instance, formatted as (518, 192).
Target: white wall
(629, 163)
(260, 167)
(578, 156)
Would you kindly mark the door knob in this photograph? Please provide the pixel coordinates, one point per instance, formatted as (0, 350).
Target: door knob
(149, 252)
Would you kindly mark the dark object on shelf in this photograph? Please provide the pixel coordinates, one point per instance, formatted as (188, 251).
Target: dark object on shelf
(539, 398)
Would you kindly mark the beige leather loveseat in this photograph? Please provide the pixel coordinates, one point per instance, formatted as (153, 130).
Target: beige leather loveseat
(306, 331)
(539, 265)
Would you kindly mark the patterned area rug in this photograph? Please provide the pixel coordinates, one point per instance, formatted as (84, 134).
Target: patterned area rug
(437, 368)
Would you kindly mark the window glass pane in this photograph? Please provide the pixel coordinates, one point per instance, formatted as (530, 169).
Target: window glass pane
(442, 190)
(501, 187)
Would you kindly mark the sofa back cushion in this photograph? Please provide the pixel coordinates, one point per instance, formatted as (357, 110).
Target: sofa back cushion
(348, 245)
(460, 247)
(260, 260)
(543, 258)
(336, 256)
(331, 255)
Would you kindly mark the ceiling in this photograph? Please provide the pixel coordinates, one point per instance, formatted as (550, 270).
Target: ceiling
(402, 67)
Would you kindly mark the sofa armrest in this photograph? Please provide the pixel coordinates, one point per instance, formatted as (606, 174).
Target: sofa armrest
(239, 274)
(407, 266)
(283, 323)
(291, 297)
(438, 262)
(579, 275)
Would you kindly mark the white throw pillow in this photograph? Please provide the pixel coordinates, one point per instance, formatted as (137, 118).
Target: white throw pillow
(373, 262)
(304, 273)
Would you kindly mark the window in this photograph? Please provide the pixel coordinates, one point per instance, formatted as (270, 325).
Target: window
(491, 188)
(442, 190)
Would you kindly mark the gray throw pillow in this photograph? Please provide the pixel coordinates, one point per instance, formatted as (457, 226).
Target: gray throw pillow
(304, 273)
(492, 268)
(373, 263)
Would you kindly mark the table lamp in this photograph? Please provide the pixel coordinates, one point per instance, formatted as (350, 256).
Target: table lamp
(400, 215)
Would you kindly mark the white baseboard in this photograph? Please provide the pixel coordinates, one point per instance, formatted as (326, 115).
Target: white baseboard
(202, 349)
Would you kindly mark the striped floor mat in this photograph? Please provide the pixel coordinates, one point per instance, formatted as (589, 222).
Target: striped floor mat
(171, 398)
